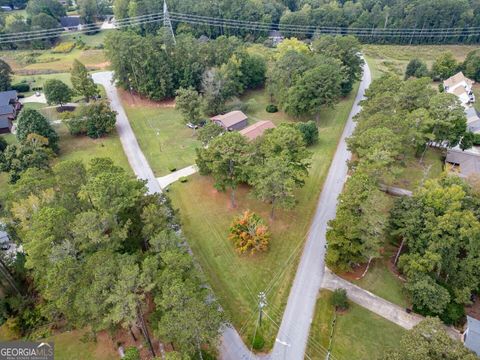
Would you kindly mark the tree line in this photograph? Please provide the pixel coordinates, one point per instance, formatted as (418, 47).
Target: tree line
(400, 118)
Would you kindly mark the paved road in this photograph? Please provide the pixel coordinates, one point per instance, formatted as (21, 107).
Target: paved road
(135, 156)
(295, 325)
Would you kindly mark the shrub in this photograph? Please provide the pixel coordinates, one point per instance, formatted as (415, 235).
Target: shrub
(21, 87)
(476, 139)
(258, 342)
(132, 353)
(64, 47)
(453, 314)
(309, 132)
(183, 179)
(249, 233)
(339, 299)
(271, 108)
(172, 169)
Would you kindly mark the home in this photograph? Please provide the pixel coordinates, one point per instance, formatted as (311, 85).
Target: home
(234, 120)
(9, 107)
(275, 37)
(473, 120)
(256, 130)
(464, 162)
(460, 86)
(71, 23)
(471, 336)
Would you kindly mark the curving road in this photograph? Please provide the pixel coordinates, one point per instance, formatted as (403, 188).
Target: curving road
(135, 156)
(295, 326)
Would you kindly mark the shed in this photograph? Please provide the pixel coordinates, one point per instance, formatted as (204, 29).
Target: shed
(234, 120)
(71, 22)
(256, 130)
(471, 336)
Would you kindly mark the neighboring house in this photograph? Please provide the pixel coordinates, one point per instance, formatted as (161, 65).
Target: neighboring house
(256, 130)
(234, 120)
(6, 8)
(275, 37)
(70, 23)
(473, 120)
(9, 108)
(464, 162)
(460, 86)
(471, 336)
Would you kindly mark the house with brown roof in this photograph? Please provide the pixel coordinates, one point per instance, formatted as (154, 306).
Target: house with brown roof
(9, 107)
(234, 120)
(256, 130)
(460, 86)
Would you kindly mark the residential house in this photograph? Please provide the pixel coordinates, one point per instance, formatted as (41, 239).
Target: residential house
(473, 120)
(464, 162)
(460, 86)
(275, 37)
(471, 336)
(9, 107)
(256, 130)
(71, 23)
(234, 120)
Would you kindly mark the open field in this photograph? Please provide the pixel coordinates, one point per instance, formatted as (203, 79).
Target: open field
(206, 216)
(359, 333)
(394, 58)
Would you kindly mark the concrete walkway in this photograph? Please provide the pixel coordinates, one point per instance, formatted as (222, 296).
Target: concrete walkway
(34, 99)
(135, 156)
(166, 180)
(376, 304)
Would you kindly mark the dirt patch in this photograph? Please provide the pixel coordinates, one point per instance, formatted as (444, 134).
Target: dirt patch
(102, 65)
(135, 100)
(355, 274)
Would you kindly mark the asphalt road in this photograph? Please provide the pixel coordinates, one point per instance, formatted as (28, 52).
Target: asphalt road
(135, 156)
(295, 326)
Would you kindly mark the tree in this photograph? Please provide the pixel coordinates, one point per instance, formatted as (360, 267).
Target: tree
(309, 131)
(471, 65)
(50, 7)
(5, 76)
(428, 296)
(339, 299)
(82, 82)
(100, 119)
(131, 353)
(346, 49)
(292, 44)
(32, 122)
(249, 233)
(444, 66)
(449, 122)
(57, 92)
(429, 341)
(225, 160)
(189, 102)
(209, 132)
(416, 68)
(318, 87)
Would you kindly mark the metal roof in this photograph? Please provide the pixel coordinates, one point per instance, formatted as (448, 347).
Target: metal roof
(472, 340)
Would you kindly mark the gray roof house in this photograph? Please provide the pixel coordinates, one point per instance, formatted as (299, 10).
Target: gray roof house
(234, 120)
(71, 22)
(9, 107)
(473, 120)
(471, 336)
(466, 162)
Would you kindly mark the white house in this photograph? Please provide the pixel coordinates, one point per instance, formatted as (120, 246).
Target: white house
(460, 86)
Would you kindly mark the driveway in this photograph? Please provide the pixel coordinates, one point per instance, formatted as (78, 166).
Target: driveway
(34, 99)
(295, 326)
(135, 156)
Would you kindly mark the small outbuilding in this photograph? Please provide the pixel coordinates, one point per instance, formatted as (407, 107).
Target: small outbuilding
(234, 120)
(71, 23)
(256, 130)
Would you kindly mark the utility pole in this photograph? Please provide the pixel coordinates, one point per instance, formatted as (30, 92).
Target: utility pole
(262, 302)
(166, 20)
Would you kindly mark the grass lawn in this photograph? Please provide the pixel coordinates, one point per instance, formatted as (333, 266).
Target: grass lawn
(359, 333)
(162, 135)
(206, 216)
(394, 58)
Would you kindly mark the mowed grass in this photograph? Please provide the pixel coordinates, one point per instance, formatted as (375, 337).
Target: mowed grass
(162, 135)
(206, 216)
(384, 59)
(359, 333)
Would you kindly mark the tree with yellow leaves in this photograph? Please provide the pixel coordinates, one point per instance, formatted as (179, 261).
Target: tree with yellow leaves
(249, 233)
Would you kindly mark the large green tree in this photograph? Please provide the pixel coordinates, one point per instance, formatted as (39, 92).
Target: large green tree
(82, 82)
(5, 76)
(57, 92)
(189, 102)
(32, 122)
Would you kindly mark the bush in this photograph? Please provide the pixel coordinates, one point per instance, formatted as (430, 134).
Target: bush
(183, 179)
(21, 87)
(339, 299)
(258, 342)
(63, 48)
(309, 132)
(271, 108)
(172, 169)
(476, 139)
(249, 233)
(453, 314)
(132, 353)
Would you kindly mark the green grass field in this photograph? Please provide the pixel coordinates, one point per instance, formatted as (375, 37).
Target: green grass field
(394, 58)
(206, 216)
(359, 334)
